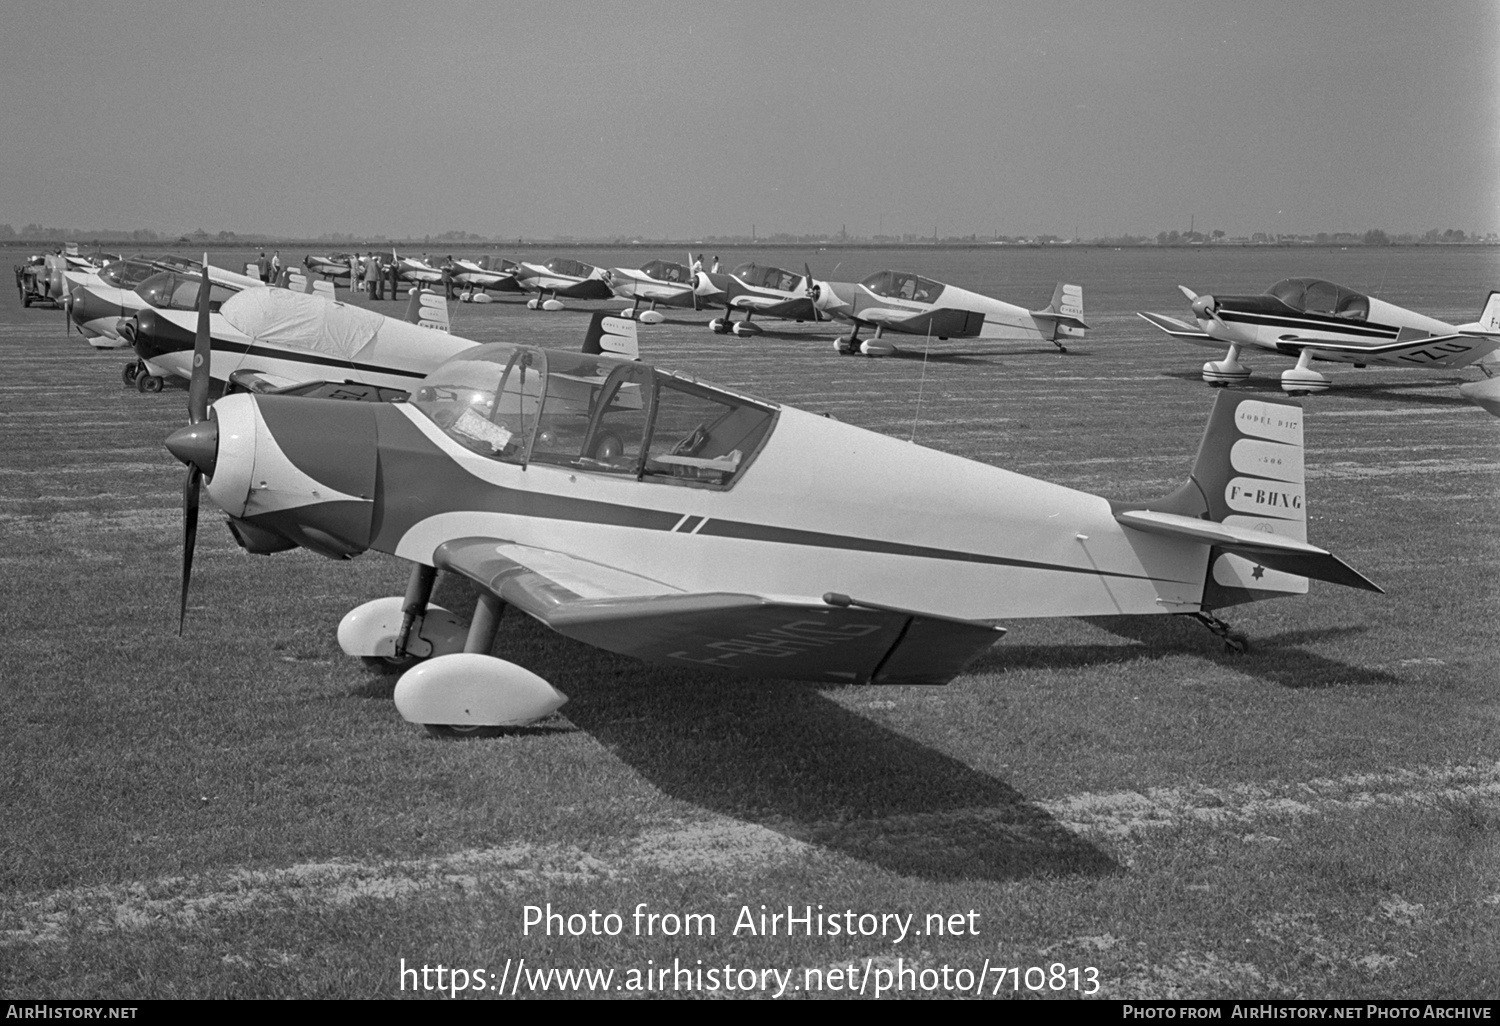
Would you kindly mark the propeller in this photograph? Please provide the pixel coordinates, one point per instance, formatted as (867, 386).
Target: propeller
(1205, 308)
(196, 445)
(1191, 295)
(814, 290)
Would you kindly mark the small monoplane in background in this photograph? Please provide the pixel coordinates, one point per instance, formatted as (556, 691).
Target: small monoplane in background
(1311, 319)
(332, 266)
(915, 305)
(659, 282)
(561, 278)
(477, 277)
(756, 289)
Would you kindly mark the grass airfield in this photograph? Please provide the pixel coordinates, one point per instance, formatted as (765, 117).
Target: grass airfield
(240, 812)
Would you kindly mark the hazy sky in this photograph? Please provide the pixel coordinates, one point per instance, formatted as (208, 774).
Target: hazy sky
(682, 119)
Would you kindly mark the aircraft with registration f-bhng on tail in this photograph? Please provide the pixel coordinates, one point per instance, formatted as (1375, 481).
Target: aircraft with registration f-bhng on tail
(654, 515)
(1311, 319)
(909, 303)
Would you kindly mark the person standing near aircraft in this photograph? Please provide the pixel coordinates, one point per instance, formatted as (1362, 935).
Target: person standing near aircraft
(275, 265)
(263, 266)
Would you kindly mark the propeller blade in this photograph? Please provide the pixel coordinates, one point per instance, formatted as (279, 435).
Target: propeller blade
(1191, 295)
(812, 292)
(202, 351)
(189, 537)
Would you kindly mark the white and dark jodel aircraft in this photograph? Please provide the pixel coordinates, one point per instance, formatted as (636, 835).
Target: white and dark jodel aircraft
(756, 289)
(654, 515)
(914, 305)
(1311, 319)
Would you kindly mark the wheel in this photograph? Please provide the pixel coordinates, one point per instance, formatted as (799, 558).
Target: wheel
(1236, 644)
(25, 299)
(1062, 349)
(457, 732)
(387, 665)
(149, 383)
(129, 373)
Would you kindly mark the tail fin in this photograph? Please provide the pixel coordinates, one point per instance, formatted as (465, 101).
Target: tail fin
(1065, 312)
(612, 336)
(1489, 317)
(1246, 498)
(427, 309)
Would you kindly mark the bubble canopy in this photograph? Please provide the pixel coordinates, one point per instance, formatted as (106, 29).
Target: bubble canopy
(593, 413)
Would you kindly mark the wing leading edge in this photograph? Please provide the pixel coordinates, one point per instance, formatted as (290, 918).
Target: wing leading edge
(837, 640)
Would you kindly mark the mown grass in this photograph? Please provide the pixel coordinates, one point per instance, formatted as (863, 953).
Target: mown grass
(240, 811)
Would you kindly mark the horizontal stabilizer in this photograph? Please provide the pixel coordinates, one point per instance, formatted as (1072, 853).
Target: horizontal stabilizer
(1179, 329)
(1270, 550)
(1066, 308)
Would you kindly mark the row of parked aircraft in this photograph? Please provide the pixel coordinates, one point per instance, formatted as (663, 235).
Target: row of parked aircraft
(1307, 319)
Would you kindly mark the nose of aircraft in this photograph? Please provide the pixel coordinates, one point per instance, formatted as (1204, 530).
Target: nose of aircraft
(197, 445)
(85, 306)
(1204, 307)
(154, 335)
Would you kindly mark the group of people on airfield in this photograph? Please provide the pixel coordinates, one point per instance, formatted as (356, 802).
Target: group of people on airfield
(368, 272)
(269, 267)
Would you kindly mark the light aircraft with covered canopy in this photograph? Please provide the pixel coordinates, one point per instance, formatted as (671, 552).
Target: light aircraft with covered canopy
(561, 278)
(273, 338)
(125, 287)
(659, 282)
(756, 289)
(1311, 319)
(654, 515)
(916, 305)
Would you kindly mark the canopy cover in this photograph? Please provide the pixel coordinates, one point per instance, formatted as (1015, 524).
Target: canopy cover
(298, 319)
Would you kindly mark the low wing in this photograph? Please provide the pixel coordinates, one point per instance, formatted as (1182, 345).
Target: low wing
(248, 380)
(764, 304)
(1458, 349)
(1181, 329)
(1270, 550)
(834, 640)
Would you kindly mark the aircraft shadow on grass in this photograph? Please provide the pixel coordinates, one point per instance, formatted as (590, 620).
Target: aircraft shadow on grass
(1158, 636)
(783, 755)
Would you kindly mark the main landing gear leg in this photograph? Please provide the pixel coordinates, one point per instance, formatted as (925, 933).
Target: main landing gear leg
(1233, 642)
(409, 642)
(485, 623)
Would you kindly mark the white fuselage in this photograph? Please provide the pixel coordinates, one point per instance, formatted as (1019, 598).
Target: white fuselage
(944, 534)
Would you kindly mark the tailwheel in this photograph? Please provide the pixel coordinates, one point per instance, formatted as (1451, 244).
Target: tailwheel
(1235, 643)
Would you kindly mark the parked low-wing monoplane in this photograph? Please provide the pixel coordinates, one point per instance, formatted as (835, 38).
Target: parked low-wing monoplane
(479, 276)
(659, 282)
(266, 339)
(915, 305)
(334, 265)
(561, 278)
(756, 289)
(1311, 319)
(654, 515)
(128, 286)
